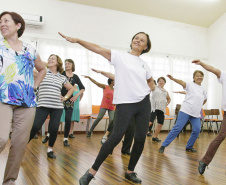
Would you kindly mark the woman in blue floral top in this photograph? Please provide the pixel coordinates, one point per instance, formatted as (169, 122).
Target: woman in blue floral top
(17, 86)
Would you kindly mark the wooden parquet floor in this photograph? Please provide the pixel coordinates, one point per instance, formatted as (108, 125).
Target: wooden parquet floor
(175, 166)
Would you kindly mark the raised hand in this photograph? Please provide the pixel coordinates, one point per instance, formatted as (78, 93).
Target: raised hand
(95, 70)
(170, 77)
(69, 39)
(197, 62)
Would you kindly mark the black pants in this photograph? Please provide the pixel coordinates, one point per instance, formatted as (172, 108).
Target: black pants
(124, 115)
(54, 122)
(67, 127)
(129, 135)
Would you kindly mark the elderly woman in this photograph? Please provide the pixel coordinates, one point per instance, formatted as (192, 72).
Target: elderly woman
(130, 71)
(160, 100)
(50, 101)
(196, 96)
(17, 86)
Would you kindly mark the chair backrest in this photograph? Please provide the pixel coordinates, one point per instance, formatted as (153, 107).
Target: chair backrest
(167, 111)
(207, 112)
(215, 112)
(95, 109)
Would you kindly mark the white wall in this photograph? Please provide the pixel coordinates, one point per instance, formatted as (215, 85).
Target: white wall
(217, 58)
(110, 28)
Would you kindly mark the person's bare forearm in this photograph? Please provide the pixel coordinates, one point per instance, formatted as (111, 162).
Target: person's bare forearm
(108, 75)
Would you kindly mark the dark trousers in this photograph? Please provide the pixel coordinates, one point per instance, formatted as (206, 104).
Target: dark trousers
(124, 115)
(54, 122)
(68, 114)
(214, 145)
(128, 138)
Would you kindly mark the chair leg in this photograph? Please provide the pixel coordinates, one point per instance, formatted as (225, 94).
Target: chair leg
(87, 125)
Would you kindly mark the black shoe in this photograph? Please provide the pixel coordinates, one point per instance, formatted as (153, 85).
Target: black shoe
(66, 143)
(71, 136)
(156, 139)
(36, 137)
(86, 178)
(88, 134)
(161, 149)
(126, 153)
(149, 134)
(45, 139)
(202, 167)
(191, 150)
(133, 177)
(51, 155)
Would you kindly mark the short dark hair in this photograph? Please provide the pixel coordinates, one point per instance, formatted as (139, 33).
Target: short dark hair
(162, 79)
(17, 19)
(148, 42)
(109, 81)
(72, 62)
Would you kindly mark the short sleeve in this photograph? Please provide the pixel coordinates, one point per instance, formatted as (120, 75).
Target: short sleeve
(222, 77)
(187, 86)
(65, 80)
(33, 52)
(148, 73)
(115, 55)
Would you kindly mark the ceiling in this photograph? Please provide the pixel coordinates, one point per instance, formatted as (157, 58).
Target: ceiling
(196, 12)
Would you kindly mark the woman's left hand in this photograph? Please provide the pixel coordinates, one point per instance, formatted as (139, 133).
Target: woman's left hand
(74, 98)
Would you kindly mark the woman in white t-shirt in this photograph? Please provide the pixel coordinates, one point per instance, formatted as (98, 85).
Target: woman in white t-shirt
(214, 145)
(190, 110)
(130, 71)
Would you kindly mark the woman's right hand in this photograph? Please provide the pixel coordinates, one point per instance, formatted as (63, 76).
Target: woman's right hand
(69, 39)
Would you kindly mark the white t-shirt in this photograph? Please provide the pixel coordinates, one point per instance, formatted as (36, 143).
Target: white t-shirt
(194, 99)
(131, 75)
(222, 80)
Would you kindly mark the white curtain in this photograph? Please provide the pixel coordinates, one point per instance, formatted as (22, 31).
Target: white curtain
(161, 64)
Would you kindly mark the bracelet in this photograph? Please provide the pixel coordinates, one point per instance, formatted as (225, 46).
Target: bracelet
(66, 97)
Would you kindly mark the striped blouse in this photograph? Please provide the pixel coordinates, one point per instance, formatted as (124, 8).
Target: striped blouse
(50, 90)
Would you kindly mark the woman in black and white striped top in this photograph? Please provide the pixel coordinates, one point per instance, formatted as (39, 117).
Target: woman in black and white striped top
(50, 100)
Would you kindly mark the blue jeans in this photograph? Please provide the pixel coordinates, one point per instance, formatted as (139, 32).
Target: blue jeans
(181, 121)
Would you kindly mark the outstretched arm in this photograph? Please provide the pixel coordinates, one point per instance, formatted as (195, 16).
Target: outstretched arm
(180, 92)
(95, 82)
(207, 67)
(182, 83)
(107, 74)
(106, 53)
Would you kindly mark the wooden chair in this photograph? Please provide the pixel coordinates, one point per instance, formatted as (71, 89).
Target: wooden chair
(206, 119)
(177, 109)
(167, 116)
(216, 113)
(88, 118)
(95, 111)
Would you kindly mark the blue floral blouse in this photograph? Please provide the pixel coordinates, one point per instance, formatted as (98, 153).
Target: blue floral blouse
(16, 75)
